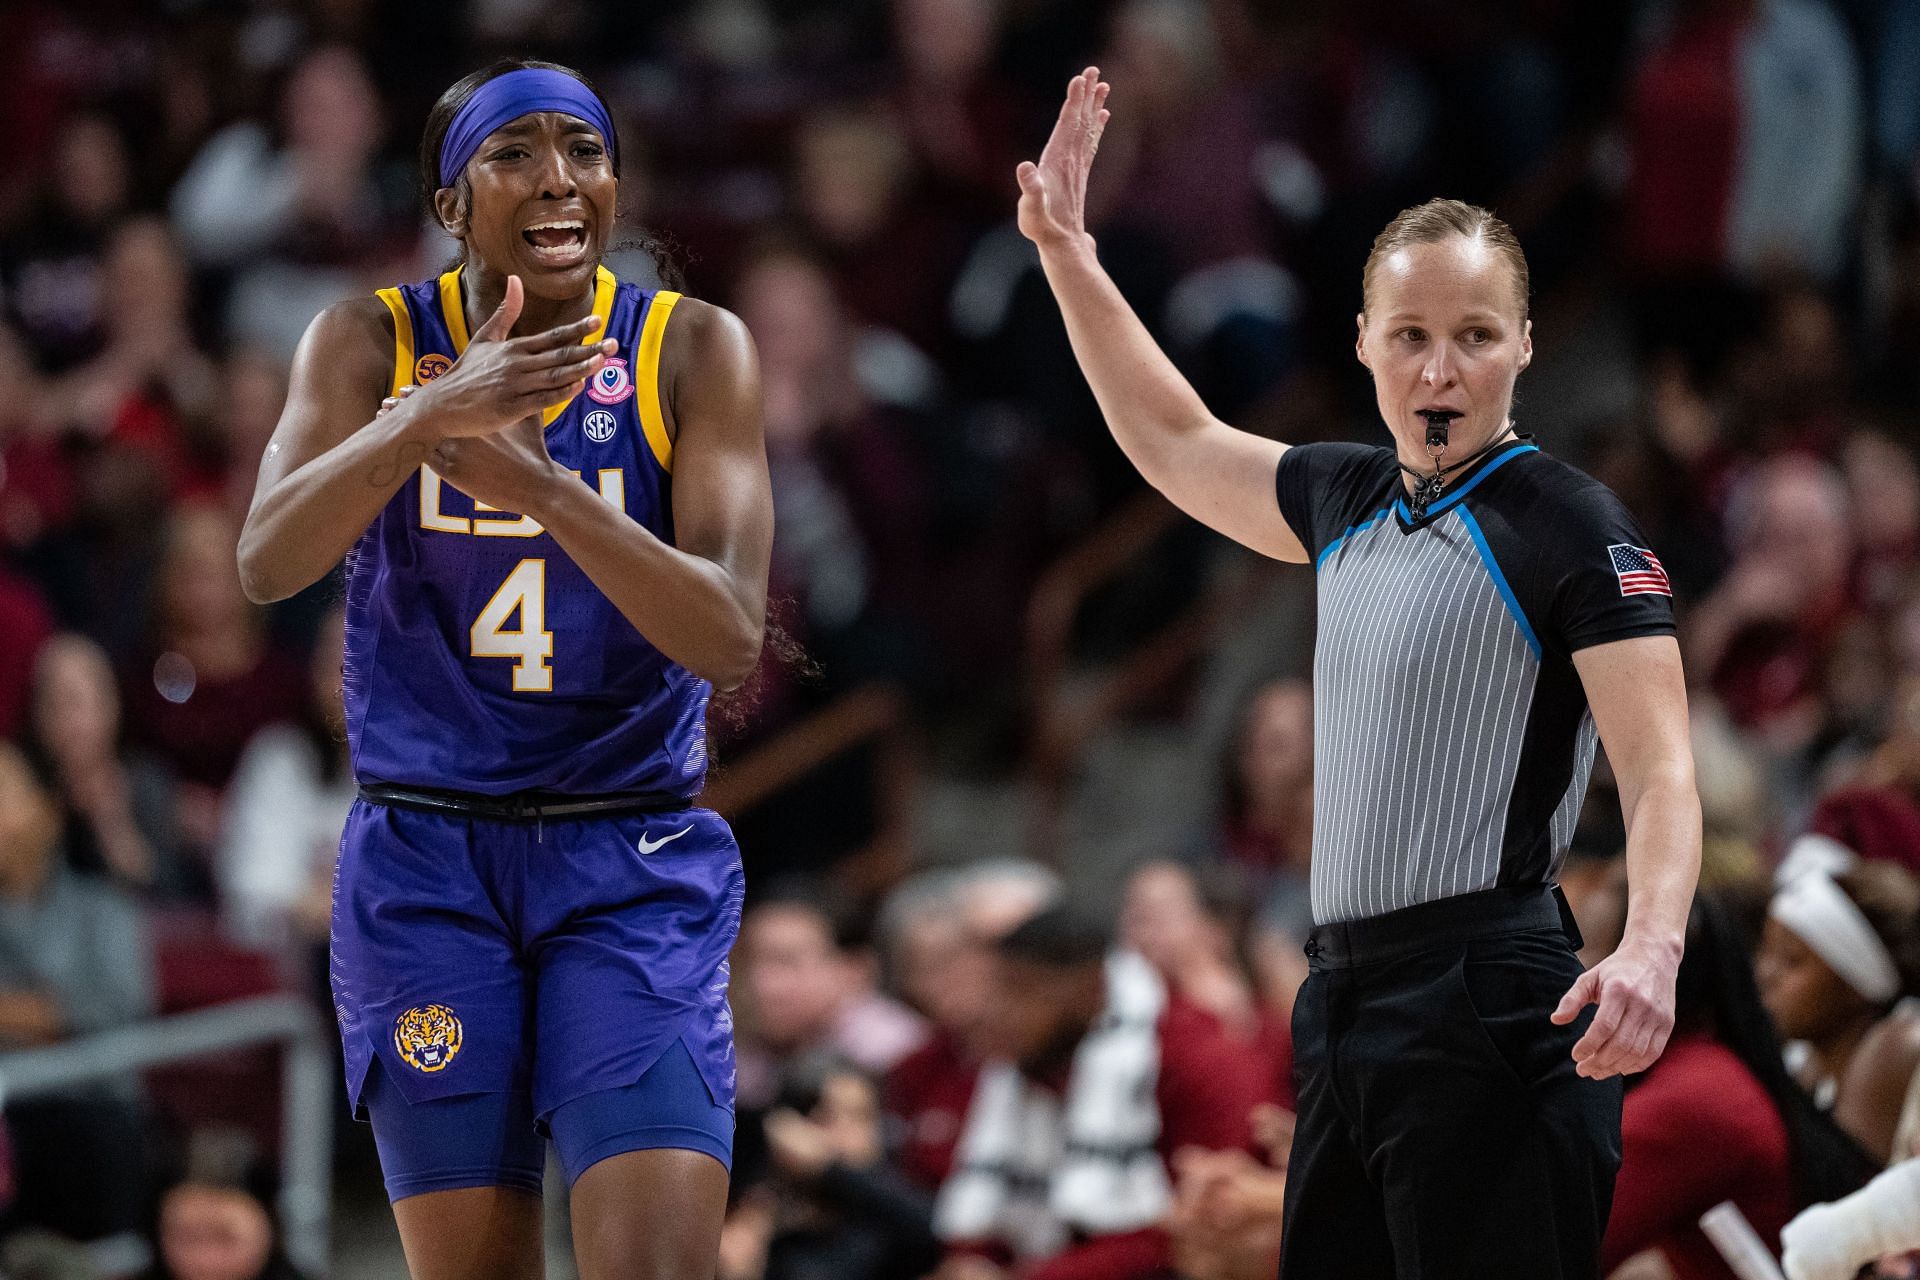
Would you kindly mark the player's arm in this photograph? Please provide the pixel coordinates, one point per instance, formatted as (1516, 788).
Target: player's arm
(1220, 476)
(329, 467)
(703, 600)
(1639, 701)
(335, 459)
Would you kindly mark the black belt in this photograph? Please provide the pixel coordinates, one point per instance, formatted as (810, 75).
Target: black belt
(520, 806)
(1442, 922)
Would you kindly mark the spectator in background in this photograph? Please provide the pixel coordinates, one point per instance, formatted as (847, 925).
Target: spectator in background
(51, 268)
(1854, 683)
(211, 679)
(1191, 926)
(97, 556)
(837, 1209)
(1717, 1117)
(1230, 306)
(1266, 829)
(1737, 810)
(217, 1223)
(148, 374)
(1228, 1212)
(1876, 813)
(960, 118)
(809, 984)
(253, 387)
(25, 624)
(1744, 130)
(857, 193)
(1786, 384)
(850, 492)
(43, 1255)
(1202, 204)
(300, 208)
(1880, 1094)
(1800, 159)
(284, 814)
(1098, 1075)
(938, 931)
(73, 960)
(1267, 805)
(1762, 638)
(1883, 488)
(1840, 949)
(119, 802)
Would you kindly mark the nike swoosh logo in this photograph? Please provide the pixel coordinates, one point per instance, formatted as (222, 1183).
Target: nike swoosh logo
(649, 846)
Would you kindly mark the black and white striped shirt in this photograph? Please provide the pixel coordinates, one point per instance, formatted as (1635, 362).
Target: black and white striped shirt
(1452, 739)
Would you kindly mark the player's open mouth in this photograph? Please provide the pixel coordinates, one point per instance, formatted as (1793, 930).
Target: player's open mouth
(559, 243)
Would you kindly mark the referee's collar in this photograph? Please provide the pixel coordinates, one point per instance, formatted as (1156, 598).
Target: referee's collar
(1458, 486)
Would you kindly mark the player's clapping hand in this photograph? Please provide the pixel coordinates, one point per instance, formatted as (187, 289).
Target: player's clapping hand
(1634, 989)
(510, 469)
(1053, 192)
(499, 380)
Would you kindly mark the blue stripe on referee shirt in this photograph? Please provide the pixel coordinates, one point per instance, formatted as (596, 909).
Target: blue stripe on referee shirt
(1362, 527)
(1500, 580)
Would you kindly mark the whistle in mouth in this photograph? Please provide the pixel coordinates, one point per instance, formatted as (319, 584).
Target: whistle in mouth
(1438, 420)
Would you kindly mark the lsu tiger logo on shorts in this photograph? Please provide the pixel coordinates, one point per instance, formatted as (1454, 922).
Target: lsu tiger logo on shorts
(428, 1037)
(429, 367)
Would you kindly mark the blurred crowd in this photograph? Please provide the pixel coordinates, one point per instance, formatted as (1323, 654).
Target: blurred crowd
(1721, 202)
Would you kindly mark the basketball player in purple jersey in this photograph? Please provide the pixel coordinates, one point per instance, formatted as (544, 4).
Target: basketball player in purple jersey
(551, 491)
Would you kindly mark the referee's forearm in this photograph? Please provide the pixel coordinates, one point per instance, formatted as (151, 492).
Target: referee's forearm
(1663, 860)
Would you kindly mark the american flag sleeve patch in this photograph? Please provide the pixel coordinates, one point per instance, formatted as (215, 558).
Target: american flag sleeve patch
(1639, 571)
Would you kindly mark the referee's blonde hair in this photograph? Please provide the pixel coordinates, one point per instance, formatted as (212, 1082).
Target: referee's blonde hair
(1437, 220)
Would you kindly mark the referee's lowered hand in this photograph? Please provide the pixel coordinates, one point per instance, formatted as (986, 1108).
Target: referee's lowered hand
(1634, 989)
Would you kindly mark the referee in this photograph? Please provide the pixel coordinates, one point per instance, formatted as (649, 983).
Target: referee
(1486, 613)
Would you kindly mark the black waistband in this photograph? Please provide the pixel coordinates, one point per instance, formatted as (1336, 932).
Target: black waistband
(1442, 922)
(519, 806)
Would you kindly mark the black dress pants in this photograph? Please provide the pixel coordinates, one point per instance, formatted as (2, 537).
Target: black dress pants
(1443, 1133)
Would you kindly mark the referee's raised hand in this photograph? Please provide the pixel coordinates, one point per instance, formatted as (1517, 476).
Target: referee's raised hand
(1053, 191)
(1634, 989)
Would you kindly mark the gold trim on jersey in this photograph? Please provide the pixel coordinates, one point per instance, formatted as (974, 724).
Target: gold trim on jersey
(646, 378)
(454, 313)
(402, 338)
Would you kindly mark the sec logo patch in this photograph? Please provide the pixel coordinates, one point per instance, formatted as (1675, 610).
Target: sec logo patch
(613, 383)
(428, 1037)
(429, 367)
(599, 426)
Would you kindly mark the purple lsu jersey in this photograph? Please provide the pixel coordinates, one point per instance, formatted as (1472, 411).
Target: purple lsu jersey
(479, 656)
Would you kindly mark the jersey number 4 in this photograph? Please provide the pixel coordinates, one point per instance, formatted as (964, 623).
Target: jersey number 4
(530, 645)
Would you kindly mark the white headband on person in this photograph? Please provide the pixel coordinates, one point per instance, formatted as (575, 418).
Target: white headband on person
(1814, 852)
(1820, 914)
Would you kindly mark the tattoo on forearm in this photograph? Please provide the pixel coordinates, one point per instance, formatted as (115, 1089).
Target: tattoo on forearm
(409, 455)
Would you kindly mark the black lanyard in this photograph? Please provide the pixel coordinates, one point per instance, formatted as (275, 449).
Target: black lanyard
(1427, 488)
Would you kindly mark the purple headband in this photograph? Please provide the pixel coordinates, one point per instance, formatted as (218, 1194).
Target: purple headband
(510, 96)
